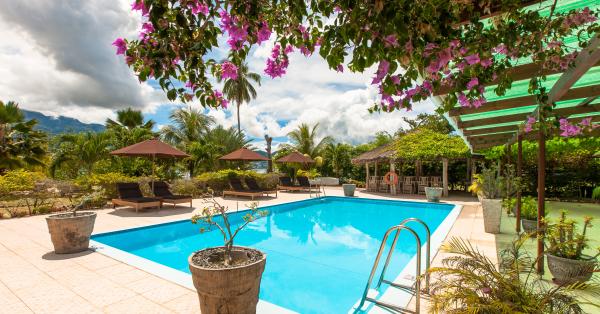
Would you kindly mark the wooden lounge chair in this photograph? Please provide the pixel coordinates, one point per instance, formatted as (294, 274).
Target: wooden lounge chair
(423, 183)
(253, 185)
(131, 196)
(161, 191)
(285, 184)
(237, 189)
(407, 185)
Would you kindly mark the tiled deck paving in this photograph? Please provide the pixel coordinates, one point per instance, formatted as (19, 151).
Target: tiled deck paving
(33, 279)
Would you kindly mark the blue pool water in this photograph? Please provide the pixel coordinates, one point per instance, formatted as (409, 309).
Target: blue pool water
(319, 251)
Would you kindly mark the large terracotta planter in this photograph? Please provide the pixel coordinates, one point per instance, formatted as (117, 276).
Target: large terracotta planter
(567, 271)
(228, 290)
(492, 213)
(71, 234)
(349, 189)
(433, 194)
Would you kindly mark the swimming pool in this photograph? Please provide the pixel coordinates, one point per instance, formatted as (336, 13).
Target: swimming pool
(319, 251)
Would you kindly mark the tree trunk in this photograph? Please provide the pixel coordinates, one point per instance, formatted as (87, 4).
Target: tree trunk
(269, 140)
(238, 118)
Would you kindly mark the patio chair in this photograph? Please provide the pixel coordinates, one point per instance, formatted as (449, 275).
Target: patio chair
(305, 183)
(423, 183)
(237, 189)
(436, 182)
(372, 184)
(130, 195)
(253, 185)
(407, 185)
(285, 184)
(383, 187)
(161, 190)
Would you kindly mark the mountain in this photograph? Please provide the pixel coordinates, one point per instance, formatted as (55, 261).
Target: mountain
(60, 124)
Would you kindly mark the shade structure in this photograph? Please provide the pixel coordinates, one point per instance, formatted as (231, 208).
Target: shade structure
(150, 148)
(244, 154)
(295, 157)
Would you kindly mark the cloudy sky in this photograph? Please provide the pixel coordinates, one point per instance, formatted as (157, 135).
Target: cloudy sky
(56, 57)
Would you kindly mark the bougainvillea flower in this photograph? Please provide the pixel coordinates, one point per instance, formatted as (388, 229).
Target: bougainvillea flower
(472, 59)
(390, 41)
(340, 68)
(264, 33)
(229, 70)
(198, 7)
(382, 71)
(138, 5)
(472, 83)
(121, 46)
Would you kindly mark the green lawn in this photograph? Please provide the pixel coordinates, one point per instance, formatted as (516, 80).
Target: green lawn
(576, 211)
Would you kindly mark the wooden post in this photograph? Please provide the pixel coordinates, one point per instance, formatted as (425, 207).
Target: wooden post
(375, 168)
(469, 174)
(418, 168)
(368, 176)
(541, 195)
(392, 185)
(519, 173)
(445, 176)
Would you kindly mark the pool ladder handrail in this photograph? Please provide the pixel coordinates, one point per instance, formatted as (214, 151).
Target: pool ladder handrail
(417, 288)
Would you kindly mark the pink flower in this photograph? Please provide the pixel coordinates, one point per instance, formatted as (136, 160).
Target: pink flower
(486, 63)
(229, 70)
(427, 86)
(382, 71)
(264, 33)
(220, 99)
(529, 124)
(190, 85)
(148, 27)
(454, 43)
(288, 49)
(396, 79)
(340, 68)
(129, 60)
(501, 49)
(121, 46)
(479, 102)
(578, 18)
(472, 59)
(138, 5)
(337, 9)
(463, 100)
(305, 51)
(237, 34)
(198, 7)
(586, 121)
(390, 41)
(461, 66)
(472, 83)
(277, 64)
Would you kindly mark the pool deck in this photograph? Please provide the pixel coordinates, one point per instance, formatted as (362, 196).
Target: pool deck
(35, 280)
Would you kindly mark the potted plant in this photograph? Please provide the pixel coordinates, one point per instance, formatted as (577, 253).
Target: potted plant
(596, 194)
(468, 281)
(70, 232)
(529, 215)
(565, 245)
(349, 189)
(227, 278)
(433, 194)
(491, 189)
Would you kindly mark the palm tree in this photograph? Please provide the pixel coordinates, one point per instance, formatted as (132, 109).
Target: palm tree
(337, 156)
(304, 140)
(130, 119)
(20, 144)
(80, 152)
(241, 90)
(188, 133)
(269, 140)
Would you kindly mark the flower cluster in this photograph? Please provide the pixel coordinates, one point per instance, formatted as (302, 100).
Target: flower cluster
(139, 5)
(198, 7)
(229, 70)
(219, 99)
(238, 34)
(121, 46)
(278, 63)
(529, 124)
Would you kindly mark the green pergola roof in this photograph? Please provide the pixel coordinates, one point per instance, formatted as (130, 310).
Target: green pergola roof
(498, 121)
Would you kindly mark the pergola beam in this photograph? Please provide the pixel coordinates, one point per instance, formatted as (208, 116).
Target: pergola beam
(522, 116)
(529, 100)
(497, 129)
(518, 73)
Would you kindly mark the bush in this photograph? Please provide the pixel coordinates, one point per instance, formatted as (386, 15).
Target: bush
(107, 181)
(529, 208)
(219, 180)
(19, 180)
(596, 193)
(186, 187)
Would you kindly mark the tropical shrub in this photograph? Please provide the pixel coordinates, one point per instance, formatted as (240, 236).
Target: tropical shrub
(107, 181)
(469, 282)
(311, 173)
(219, 180)
(596, 193)
(564, 240)
(186, 187)
(19, 180)
(492, 184)
(529, 208)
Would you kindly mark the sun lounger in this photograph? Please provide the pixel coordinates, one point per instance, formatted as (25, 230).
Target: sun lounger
(285, 184)
(253, 185)
(237, 189)
(131, 196)
(161, 191)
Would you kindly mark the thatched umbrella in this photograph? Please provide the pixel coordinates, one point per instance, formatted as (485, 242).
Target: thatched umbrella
(150, 148)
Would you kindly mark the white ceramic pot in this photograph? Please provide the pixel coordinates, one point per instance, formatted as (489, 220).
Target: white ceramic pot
(492, 213)
(433, 194)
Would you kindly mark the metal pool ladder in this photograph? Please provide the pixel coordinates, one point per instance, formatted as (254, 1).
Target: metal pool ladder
(414, 289)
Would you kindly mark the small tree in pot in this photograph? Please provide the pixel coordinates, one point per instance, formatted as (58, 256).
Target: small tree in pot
(70, 232)
(565, 245)
(492, 186)
(227, 278)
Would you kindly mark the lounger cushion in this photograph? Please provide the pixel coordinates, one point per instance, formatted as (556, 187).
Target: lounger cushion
(140, 200)
(129, 191)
